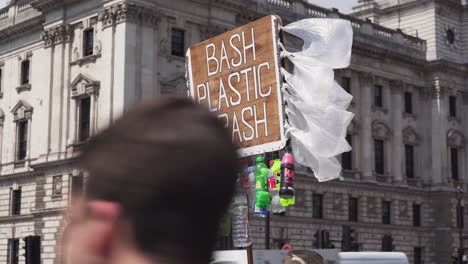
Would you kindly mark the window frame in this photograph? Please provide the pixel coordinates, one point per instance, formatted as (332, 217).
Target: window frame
(417, 211)
(81, 137)
(408, 101)
(22, 138)
(378, 95)
(347, 157)
(13, 251)
(348, 87)
(353, 213)
(1, 78)
(88, 51)
(25, 79)
(460, 217)
(15, 200)
(76, 187)
(379, 156)
(178, 48)
(409, 161)
(418, 257)
(454, 164)
(452, 106)
(386, 212)
(317, 206)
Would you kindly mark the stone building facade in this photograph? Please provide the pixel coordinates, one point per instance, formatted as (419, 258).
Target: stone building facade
(69, 68)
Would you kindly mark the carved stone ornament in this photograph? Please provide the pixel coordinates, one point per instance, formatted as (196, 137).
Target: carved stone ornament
(98, 47)
(410, 136)
(381, 130)
(455, 139)
(403, 206)
(76, 53)
(121, 12)
(57, 185)
(371, 205)
(22, 110)
(353, 127)
(84, 85)
(57, 35)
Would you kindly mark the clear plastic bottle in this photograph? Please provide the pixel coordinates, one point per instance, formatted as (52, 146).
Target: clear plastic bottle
(240, 219)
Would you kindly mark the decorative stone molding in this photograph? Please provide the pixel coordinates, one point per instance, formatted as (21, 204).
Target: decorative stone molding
(23, 88)
(57, 35)
(57, 185)
(455, 139)
(22, 110)
(354, 127)
(410, 137)
(381, 130)
(122, 12)
(2, 117)
(84, 85)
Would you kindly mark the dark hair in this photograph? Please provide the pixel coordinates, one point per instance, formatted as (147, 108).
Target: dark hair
(172, 167)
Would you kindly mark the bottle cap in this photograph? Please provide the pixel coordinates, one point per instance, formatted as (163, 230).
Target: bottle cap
(259, 159)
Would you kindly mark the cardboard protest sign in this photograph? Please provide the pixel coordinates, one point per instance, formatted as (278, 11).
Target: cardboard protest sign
(237, 75)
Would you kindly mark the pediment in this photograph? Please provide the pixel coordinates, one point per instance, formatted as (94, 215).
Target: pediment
(410, 136)
(381, 130)
(84, 84)
(22, 110)
(455, 139)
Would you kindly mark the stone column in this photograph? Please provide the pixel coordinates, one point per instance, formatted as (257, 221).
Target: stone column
(397, 127)
(438, 141)
(366, 81)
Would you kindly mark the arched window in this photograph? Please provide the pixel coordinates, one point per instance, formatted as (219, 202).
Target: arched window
(381, 134)
(456, 144)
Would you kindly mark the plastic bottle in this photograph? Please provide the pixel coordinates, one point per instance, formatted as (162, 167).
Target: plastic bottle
(273, 186)
(262, 197)
(287, 176)
(240, 219)
(251, 192)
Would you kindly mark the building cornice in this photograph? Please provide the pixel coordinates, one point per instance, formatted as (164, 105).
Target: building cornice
(447, 66)
(46, 5)
(28, 25)
(128, 12)
(44, 166)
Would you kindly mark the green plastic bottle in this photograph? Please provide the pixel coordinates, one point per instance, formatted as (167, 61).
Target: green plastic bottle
(262, 196)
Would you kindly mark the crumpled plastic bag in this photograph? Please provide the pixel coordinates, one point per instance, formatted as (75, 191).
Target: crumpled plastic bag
(317, 119)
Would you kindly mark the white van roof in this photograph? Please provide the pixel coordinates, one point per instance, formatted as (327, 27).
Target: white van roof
(372, 257)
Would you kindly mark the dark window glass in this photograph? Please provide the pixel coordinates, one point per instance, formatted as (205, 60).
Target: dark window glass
(417, 254)
(409, 161)
(25, 69)
(16, 202)
(347, 157)
(387, 243)
(85, 118)
(379, 156)
(178, 42)
(353, 209)
(450, 36)
(460, 217)
(408, 102)
(378, 95)
(13, 252)
(317, 207)
(77, 186)
(346, 84)
(454, 163)
(386, 212)
(452, 106)
(22, 139)
(416, 215)
(88, 42)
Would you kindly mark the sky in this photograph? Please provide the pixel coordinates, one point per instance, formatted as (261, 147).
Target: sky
(343, 5)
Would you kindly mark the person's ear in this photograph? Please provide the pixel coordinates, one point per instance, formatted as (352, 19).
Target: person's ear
(102, 226)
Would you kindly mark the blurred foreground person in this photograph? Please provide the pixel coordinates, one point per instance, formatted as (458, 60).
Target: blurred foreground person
(303, 257)
(160, 179)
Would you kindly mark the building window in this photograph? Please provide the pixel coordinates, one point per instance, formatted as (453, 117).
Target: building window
(417, 255)
(416, 215)
(408, 103)
(386, 212)
(22, 139)
(379, 156)
(25, 71)
(378, 95)
(450, 36)
(317, 207)
(85, 118)
(452, 106)
(387, 243)
(13, 251)
(454, 163)
(77, 183)
(409, 161)
(178, 42)
(353, 209)
(1, 80)
(460, 217)
(88, 42)
(16, 202)
(347, 157)
(346, 84)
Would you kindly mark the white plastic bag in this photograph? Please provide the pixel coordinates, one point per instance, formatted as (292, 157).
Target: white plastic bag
(316, 105)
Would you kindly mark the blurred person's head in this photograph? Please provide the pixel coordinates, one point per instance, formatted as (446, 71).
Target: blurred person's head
(160, 179)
